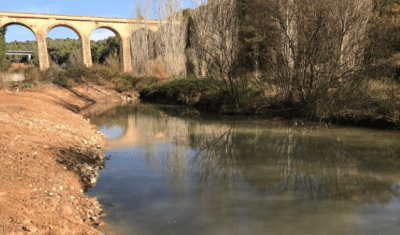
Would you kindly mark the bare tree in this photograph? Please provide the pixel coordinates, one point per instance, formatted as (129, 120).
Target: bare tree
(215, 43)
(321, 42)
(142, 40)
(164, 49)
(171, 36)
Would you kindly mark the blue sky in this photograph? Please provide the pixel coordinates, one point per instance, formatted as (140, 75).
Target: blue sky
(104, 8)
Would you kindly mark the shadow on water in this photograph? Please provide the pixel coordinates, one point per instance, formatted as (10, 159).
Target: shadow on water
(180, 175)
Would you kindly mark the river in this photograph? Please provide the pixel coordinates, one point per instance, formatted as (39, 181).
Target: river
(175, 171)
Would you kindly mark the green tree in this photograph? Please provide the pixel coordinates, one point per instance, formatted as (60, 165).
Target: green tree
(3, 61)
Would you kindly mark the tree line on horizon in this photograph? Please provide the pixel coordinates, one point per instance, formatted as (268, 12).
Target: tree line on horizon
(62, 52)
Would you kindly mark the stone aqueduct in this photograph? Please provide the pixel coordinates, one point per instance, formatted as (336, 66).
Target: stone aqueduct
(41, 24)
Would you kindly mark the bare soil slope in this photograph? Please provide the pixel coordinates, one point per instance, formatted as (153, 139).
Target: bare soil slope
(43, 145)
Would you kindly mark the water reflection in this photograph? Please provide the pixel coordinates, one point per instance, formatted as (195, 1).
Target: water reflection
(184, 176)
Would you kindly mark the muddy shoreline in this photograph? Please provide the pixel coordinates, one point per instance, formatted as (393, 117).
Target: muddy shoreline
(49, 155)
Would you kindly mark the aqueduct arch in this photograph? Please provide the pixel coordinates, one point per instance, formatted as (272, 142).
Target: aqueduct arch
(41, 24)
(119, 38)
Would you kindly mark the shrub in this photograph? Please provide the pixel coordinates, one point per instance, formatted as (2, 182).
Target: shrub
(33, 74)
(122, 84)
(5, 65)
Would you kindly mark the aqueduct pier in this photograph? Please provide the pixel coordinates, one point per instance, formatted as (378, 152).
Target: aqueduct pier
(83, 26)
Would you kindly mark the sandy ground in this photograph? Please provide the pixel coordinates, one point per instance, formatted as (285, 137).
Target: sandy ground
(48, 154)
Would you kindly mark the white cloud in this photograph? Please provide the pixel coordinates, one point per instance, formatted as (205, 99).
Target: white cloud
(101, 34)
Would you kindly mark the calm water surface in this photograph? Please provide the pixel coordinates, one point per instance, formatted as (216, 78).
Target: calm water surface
(170, 175)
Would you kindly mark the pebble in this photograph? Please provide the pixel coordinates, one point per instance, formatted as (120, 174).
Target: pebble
(61, 188)
(93, 181)
(72, 197)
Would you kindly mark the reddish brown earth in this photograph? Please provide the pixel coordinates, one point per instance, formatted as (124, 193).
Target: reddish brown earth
(43, 145)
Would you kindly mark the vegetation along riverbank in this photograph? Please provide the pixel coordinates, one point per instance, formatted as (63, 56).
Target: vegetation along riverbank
(272, 59)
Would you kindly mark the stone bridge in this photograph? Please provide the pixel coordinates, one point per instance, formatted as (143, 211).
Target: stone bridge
(133, 135)
(83, 26)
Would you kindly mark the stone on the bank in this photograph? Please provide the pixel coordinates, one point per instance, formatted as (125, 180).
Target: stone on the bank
(93, 181)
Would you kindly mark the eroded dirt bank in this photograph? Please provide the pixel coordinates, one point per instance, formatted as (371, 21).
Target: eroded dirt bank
(48, 153)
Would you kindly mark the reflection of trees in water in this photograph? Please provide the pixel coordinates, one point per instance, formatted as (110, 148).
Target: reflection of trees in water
(216, 159)
(165, 128)
(315, 167)
(287, 161)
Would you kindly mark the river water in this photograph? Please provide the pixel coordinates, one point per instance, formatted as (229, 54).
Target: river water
(173, 172)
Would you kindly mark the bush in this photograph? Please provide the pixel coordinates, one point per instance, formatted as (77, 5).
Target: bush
(141, 83)
(5, 65)
(122, 84)
(77, 72)
(61, 79)
(33, 74)
(360, 100)
(181, 87)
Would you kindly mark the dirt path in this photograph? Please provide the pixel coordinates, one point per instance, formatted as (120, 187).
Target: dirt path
(48, 154)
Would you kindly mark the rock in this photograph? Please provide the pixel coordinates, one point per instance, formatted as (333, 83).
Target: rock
(101, 224)
(85, 141)
(92, 180)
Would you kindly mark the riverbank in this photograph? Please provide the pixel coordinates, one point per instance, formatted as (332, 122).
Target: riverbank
(371, 103)
(48, 155)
